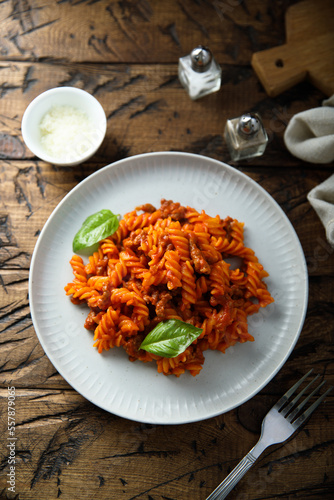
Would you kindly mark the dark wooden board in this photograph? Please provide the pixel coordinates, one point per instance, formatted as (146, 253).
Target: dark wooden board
(142, 31)
(150, 98)
(125, 53)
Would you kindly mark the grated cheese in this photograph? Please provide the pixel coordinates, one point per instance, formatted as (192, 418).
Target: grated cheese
(66, 132)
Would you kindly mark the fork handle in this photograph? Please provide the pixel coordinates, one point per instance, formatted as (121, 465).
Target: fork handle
(233, 478)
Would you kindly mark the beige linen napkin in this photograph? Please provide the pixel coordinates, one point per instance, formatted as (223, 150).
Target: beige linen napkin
(310, 134)
(322, 200)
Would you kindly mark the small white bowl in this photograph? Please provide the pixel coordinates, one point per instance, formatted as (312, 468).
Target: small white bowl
(63, 96)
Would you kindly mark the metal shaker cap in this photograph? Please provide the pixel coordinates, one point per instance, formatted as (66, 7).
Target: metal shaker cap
(249, 125)
(201, 58)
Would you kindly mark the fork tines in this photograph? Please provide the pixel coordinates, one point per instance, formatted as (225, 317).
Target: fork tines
(290, 411)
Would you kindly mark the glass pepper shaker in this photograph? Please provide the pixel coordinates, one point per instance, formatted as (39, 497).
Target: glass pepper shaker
(199, 73)
(245, 136)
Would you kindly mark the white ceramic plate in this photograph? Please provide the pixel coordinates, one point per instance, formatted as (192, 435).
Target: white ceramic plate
(135, 390)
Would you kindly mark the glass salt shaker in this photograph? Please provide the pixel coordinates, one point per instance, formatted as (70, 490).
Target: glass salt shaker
(245, 136)
(199, 73)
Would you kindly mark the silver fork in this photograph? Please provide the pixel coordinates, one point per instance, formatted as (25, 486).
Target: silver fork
(278, 425)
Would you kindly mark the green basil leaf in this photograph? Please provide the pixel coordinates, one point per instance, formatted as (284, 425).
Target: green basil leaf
(95, 228)
(170, 338)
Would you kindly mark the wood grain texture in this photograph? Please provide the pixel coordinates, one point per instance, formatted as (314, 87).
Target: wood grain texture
(150, 99)
(144, 31)
(68, 447)
(125, 53)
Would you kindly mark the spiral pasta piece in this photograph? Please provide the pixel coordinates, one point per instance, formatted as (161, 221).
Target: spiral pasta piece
(179, 240)
(189, 295)
(79, 269)
(173, 270)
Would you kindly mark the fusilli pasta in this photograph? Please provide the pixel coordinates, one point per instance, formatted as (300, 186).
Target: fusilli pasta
(170, 263)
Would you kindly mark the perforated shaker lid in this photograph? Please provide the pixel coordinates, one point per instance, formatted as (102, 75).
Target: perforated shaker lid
(201, 58)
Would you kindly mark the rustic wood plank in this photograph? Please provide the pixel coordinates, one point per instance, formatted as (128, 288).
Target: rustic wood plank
(150, 98)
(61, 436)
(143, 31)
(125, 53)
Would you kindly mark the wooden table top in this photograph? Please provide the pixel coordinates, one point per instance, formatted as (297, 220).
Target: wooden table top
(125, 53)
